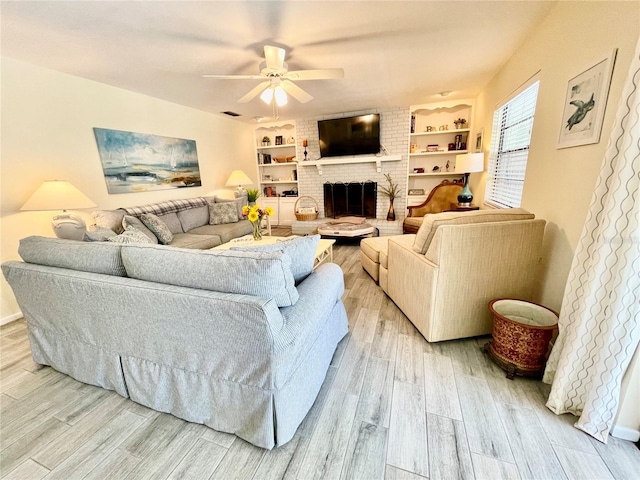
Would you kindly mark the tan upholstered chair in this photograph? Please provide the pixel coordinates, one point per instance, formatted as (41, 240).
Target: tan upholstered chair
(439, 200)
(456, 264)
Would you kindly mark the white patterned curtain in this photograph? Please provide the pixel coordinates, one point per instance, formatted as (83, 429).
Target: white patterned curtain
(599, 325)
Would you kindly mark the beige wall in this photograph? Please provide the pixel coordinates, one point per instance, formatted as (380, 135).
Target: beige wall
(559, 183)
(47, 133)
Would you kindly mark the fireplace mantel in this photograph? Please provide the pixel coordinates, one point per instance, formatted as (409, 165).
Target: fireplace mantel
(343, 161)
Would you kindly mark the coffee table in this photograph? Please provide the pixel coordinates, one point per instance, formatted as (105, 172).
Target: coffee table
(323, 252)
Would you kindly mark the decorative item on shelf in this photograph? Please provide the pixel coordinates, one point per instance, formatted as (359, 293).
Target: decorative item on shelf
(255, 214)
(278, 139)
(459, 142)
(305, 144)
(266, 178)
(418, 170)
(307, 210)
(61, 195)
(252, 195)
(266, 141)
(270, 191)
(412, 148)
(266, 158)
(468, 163)
(443, 128)
(295, 174)
(416, 191)
(284, 158)
(291, 141)
(432, 148)
(392, 192)
(459, 123)
(238, 178)
(479, 140)
(447, 165)
(429, 128)
(413, 123)
(435, 169)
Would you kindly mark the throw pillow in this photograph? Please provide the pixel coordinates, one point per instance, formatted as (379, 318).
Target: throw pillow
(134, 222)
(302, 251)
(238, 201)
(131, 235)
(191, 218)
(158, 227)
(111, 219)
(99, 234)
(222, 213)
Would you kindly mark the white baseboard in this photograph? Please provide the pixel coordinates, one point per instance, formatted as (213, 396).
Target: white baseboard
(10, 318)
(625, 433)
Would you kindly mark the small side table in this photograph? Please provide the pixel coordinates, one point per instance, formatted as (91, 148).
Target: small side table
(457, 208)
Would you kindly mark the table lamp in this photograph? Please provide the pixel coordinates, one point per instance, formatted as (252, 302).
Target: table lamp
(239, 178)
(467, 163)
(61, 195)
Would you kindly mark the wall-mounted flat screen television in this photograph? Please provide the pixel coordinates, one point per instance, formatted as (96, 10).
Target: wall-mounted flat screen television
(350, 136)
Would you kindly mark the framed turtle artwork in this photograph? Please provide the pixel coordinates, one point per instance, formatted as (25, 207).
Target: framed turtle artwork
(585, 103)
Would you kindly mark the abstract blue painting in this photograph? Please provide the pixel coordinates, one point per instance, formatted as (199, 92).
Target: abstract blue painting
(139, 162)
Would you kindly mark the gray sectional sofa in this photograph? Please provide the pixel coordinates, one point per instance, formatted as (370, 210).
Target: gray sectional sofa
(219, 337)
(187, 219)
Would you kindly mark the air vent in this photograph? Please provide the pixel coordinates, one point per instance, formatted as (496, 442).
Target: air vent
(231, 114)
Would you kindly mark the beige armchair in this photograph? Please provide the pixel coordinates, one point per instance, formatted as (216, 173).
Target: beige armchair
(439, 200)
(457, 263)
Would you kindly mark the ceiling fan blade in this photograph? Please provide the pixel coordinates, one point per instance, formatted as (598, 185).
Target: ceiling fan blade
(320, 74)
(254, 91)
(235, 77)
(295, 91)
(274, 57)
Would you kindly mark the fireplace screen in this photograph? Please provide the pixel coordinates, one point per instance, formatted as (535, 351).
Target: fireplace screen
(354, 198)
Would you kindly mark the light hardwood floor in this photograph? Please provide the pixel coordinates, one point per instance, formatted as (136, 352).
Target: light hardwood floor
(393, 406)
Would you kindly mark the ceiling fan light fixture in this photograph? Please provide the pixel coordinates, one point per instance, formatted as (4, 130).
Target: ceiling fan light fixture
(281, 96)
(267, 95)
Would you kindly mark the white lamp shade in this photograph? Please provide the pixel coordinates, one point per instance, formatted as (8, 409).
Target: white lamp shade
(238, 178)
(57, 195)
(469, 162)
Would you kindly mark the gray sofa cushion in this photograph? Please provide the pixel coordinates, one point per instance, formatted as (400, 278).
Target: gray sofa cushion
(302, 251)
(189, 240)
(226, 231)
(158, 227)
(99, 234)
(111, 219)
(220, 213)
(95, 257)
(262, 274)
(172, 222)
(135, 222)
(193, 217)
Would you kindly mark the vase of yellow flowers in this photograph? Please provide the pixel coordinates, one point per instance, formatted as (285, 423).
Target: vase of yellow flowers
(255, 214)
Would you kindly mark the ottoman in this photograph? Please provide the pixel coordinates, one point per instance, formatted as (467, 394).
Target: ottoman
(374, 256)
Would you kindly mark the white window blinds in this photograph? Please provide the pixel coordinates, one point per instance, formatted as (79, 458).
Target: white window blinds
(510, 138)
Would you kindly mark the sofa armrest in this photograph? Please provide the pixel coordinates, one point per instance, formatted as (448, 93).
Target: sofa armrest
(412, 283)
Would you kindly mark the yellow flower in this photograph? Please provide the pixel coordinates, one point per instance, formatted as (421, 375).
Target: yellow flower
(253, 215)
(245, 210)
(268, 211)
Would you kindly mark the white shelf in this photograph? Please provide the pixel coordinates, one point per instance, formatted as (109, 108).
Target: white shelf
(441, 132)
(274, 182)
(446, 152)
(271, 147)
(436, 174)
(351, 160)
(277, 164)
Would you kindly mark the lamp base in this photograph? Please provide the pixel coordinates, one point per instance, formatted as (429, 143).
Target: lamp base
(69, 227)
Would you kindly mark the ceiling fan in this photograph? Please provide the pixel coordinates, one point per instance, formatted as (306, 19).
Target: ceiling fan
(278, 80)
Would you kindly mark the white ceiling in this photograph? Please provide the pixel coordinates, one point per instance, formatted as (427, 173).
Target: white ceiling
(394, 53)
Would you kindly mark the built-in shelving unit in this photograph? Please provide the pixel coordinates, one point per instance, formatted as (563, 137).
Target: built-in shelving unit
(434, 141)
(276, 177)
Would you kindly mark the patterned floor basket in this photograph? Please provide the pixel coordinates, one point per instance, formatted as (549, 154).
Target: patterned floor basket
(521, 335)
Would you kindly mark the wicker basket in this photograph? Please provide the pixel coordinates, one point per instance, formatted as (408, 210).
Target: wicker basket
(306, 216)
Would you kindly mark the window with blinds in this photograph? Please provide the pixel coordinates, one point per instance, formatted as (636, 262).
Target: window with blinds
(510, 138)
